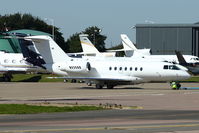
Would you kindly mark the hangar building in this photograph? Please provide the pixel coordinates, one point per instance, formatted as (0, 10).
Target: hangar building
(11, 44)
(166, 38)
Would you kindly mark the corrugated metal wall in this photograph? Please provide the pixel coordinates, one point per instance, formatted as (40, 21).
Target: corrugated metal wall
(195, 41)
(165, 40)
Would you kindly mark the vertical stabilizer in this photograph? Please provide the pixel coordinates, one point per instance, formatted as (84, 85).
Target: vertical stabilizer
(48, 49)
(181, 59)
(87, 45)
(127, 44)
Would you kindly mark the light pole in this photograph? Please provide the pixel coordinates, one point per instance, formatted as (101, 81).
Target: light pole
(94, 37)
(53, 27)
(95, 31)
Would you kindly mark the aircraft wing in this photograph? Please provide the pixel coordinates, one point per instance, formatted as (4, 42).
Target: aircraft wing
(116, 50)
(120, 79)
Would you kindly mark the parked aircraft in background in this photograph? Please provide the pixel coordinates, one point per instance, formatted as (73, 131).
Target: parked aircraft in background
(192, 67)
(89, 49)
(131, 50)
(104, 71)
(145, 54)
(12, 63)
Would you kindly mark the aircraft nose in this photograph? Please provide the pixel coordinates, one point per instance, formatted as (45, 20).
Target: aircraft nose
(185, 75)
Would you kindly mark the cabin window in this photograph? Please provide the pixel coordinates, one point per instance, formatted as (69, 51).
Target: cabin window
(120, 68)
(131, 68)
(166, 67)
(136, 68)
(110, 68)
(141, 69)
(125, 68)
(21, 61)
(6, 61)
(13, 61)
(115, 68)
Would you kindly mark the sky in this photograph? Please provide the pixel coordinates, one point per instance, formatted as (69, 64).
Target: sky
(113, 17)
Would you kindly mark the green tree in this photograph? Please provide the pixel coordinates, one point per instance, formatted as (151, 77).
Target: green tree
(74, 43)
(27, 21)
(118, 53)
(96, 38)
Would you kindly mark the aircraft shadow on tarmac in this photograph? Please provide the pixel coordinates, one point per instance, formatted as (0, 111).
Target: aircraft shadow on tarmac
(118, 88)
(32, 79)
(63, 99)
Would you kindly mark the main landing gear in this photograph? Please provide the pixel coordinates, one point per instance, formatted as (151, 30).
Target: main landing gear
(99, 86)
(7, 77)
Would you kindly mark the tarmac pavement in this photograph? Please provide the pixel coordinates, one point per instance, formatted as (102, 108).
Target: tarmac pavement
(157, 108)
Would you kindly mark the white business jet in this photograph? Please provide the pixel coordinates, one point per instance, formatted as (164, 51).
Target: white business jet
(128, 48)
(145, 53)
(104, 71)
(11, 63)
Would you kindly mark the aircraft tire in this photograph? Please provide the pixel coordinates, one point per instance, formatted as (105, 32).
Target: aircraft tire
(7, 77)
(110, 86)
(98, 86)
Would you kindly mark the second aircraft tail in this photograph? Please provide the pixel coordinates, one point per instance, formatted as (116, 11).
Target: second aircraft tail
(48, 49)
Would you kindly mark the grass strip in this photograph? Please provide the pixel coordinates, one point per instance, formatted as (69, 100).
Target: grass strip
(32, 109)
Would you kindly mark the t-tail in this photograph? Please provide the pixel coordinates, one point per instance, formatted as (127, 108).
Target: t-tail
(131, 50)
(87, 45)
(48, 48)
(127, 43)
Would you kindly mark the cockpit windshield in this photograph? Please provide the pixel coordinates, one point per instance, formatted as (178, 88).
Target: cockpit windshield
(171, 67)
(195, 59)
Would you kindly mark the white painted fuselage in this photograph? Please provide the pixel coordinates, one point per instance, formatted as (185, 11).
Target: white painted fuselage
(15, 63)
(105, 70)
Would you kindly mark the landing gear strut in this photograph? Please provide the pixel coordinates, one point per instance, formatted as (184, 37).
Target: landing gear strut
(110, 86)
(7, 77)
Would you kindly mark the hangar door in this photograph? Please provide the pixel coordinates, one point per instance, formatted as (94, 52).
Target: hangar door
(195, 41)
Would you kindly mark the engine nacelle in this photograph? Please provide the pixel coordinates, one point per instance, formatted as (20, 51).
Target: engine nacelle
(75, 66)
(145, 51)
